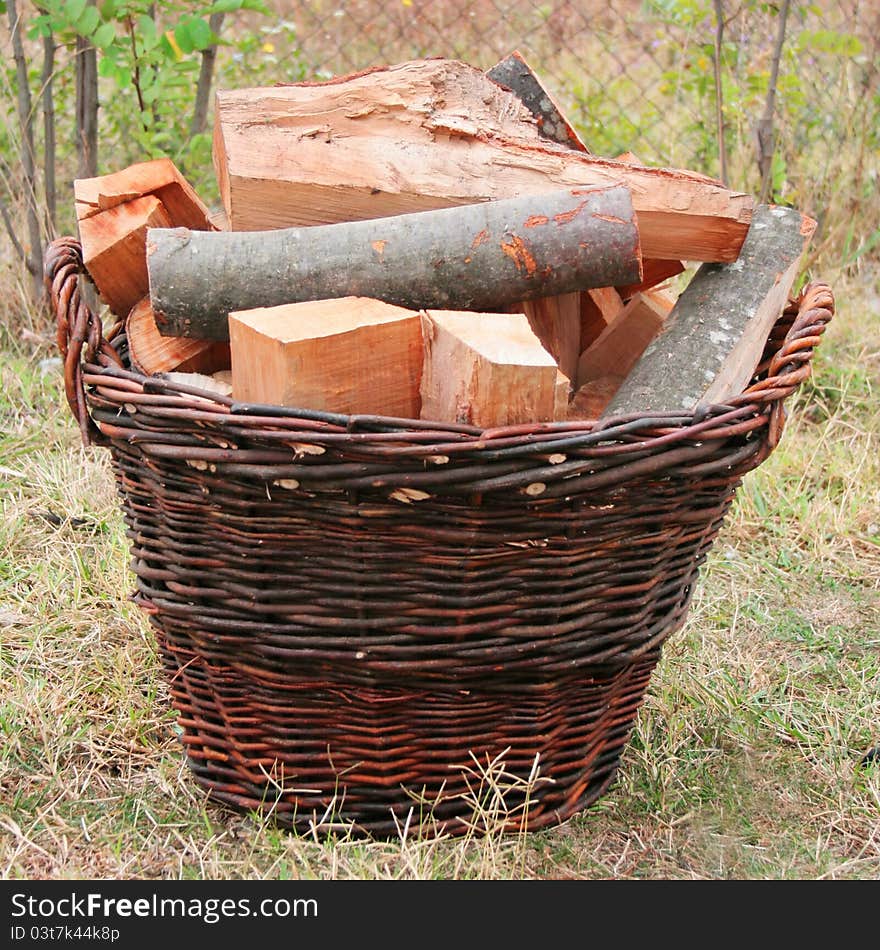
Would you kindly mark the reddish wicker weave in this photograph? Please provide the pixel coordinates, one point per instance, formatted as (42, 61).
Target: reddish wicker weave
(347, 607)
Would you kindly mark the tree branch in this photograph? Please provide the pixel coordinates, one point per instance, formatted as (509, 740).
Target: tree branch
(49, 133)
(206, 76)
(13, 237)
(86, 107)
(766, 137)
(34, 257)
(719, 91)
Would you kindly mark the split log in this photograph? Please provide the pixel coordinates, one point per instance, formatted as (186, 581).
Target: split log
(562, 396)
(486, 369)
(113, 245)
(348, 355)
(219, 383)
(151, 353)
(599, 308)
(476, 257)
(654, 272)
(621, 344)
(515, 74)
(556, 322)
(159, 178)
(419, 136)
(591, 399)
(715, 336)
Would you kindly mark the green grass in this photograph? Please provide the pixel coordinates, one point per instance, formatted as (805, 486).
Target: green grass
(744, 763)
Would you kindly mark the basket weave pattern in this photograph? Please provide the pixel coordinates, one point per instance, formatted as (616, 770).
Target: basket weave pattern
(349, 607)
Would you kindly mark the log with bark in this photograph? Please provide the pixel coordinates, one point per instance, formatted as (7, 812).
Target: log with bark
(715, 335)
(475, 257)
(429, 134)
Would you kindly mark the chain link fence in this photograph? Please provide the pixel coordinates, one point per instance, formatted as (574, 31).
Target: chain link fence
(640, 76)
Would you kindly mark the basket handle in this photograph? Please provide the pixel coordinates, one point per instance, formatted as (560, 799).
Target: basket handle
(80, 332)
(791, 365)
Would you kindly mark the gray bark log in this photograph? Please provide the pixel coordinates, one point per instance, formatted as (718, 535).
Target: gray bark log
(472, 257)
(515, 74)
(715, 335)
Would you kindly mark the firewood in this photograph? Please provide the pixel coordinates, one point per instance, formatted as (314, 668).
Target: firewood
(113, 245)
(553, 319)
(715, 336)
(429, 134)
(347, 355)
(562, 396)
(662, 296)
(515, 74)
(486, 369)
(151, 353)
(159, 177)
(556, 322)
(599, 308)
(654, 272)
(620, 345)
(476, 257)
(592, 398)
(219, 383)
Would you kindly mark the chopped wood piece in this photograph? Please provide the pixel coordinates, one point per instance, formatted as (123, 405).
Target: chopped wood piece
(475, 257)
(218, 220)
(654, 272)
(629, 158)
(486, 369)
(152, 353)
(662, 296)
(348, 355)
(556, 321)
(159, 177)
(590, 400)
(515, 74)
(430, 134)
(599, 308)
(621, 344)
(215, 383)
(113, 250)
(562, 396)
(715, 336)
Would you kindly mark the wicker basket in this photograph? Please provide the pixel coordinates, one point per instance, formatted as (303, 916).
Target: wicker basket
(352, 610)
